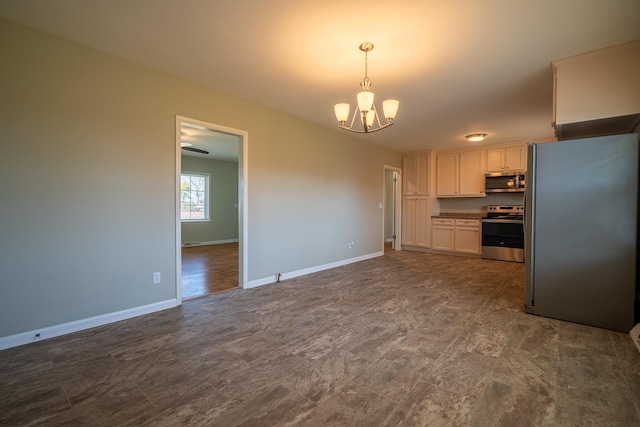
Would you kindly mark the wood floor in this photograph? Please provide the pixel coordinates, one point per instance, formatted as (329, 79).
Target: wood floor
(213, 268)
(209, 269)
(405, 339)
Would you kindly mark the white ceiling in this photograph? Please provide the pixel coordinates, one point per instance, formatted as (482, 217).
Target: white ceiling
(456, 66)
(218, 145)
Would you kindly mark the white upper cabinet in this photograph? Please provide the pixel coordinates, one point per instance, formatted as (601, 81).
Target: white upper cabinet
(472, 173)
(447, 175)
(507, 158)
(415, 174)
(597, 85)
(460, 174)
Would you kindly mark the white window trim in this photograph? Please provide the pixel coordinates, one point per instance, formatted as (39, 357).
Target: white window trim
(207, 196)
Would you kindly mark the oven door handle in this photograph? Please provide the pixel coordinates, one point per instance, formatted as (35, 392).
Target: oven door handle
(502, 221)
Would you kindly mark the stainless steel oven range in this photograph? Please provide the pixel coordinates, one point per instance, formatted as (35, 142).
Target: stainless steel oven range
(503, 233)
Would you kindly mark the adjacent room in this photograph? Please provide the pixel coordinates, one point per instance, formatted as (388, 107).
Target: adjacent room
(209, 213)
(346, 213)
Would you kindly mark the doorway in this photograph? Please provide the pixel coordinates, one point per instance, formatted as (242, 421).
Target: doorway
(211, 215)
(392, 205)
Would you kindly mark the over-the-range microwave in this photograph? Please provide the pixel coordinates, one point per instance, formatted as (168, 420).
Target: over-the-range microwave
(505, 182)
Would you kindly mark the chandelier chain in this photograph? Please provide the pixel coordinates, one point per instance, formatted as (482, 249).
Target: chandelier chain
(365, 84)
(366, 63)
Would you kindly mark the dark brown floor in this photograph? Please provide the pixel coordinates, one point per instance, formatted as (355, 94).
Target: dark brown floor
(209, 269)
(404, 339)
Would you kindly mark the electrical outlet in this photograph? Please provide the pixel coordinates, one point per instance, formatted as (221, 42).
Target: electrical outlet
(156, 278)
(351, 244)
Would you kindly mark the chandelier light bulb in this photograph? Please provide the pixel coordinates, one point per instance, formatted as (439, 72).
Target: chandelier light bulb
(365, 101)
(390, 108)
(370, 115)
(342, 111)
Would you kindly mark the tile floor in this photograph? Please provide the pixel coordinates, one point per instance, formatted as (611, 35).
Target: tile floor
(406, 339)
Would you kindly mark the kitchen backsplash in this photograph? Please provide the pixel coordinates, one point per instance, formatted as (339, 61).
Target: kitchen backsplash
(479, 204)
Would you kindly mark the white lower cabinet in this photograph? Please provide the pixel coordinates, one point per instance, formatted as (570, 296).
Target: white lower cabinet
(442, 232)
(467, 236)
(456, 235)
(415, 221)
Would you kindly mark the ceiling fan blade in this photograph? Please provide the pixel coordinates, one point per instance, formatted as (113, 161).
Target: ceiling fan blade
(195, 150)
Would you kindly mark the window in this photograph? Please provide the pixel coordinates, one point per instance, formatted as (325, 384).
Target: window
(194, 196)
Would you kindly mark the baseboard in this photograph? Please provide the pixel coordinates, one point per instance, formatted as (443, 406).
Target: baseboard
(210, 242)
(305, 271)
(79, 325)
(439, 252)
(416, 249)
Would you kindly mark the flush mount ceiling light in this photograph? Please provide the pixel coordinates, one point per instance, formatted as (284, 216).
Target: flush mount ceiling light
(366, 108)
(475, 137)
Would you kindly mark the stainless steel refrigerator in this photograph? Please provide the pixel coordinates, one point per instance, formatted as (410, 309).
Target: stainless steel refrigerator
(581, 205)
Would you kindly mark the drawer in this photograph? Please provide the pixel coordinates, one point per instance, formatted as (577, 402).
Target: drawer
(442, 221)
(468, 222)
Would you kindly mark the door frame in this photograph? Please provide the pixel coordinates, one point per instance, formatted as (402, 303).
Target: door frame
(397, 220)
(243, 173)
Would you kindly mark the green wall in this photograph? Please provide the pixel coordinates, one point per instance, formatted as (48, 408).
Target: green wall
(87, 171)
(223, 177)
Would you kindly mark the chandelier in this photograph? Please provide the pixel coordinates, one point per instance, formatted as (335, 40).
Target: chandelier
(365, 108)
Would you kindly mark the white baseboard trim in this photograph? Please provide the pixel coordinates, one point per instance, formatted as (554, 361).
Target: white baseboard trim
(209, 242)
(79, 325)
(305, 271)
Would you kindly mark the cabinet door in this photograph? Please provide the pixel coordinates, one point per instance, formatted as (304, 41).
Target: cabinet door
(447, 175)
(409, 221)
(514, 158)
(495, 161)
(422, 169)
(467, 240)
(409, 170)
(423, 222)
(471, 173)
(442, 237)
(415, 173)
(597, 85)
